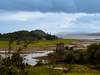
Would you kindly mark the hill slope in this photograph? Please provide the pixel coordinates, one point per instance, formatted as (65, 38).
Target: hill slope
(26, 35)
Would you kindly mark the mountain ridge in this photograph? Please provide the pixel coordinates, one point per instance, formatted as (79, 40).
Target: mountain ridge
(95, 35)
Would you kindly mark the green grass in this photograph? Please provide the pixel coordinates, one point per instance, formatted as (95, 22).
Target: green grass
(42, 70)
(50, 42)
(5, 43)
(39, 43)
(75, 70)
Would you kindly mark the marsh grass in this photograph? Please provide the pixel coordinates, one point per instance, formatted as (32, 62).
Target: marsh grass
(75, 70)
(39, 42)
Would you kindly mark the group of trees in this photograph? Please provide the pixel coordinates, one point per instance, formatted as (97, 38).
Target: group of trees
(93, 53)
(89, 56)
(32, 35)
(13, 63)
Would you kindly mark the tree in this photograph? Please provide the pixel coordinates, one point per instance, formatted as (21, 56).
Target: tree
(13, 64)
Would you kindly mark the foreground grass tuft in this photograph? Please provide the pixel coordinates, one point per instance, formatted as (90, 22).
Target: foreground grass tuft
(75, 70)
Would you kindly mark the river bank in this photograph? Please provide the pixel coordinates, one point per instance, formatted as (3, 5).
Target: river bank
(30, 57)
(28, 50)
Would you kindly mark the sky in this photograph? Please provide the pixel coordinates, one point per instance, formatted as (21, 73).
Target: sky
(52, 16)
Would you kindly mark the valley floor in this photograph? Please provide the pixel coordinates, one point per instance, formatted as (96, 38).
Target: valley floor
(49, 70)
(41, 45)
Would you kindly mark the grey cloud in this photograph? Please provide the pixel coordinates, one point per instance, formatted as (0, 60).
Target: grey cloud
(88, 6)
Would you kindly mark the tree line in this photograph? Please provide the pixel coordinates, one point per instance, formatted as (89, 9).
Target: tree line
(26, 35)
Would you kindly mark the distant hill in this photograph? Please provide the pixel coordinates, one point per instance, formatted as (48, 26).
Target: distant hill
(26, 35)
(79, 35)
(94, 34)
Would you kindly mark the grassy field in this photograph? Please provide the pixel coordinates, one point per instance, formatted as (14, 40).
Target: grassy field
(75, 70)
(39, 43)
(50, 42)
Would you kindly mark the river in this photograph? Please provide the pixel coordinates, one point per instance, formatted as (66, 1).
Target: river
(29, 58)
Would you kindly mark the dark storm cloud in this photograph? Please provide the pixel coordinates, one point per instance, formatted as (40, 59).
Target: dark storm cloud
(89, 6)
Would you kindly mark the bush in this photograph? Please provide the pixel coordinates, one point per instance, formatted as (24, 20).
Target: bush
(39, 63)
